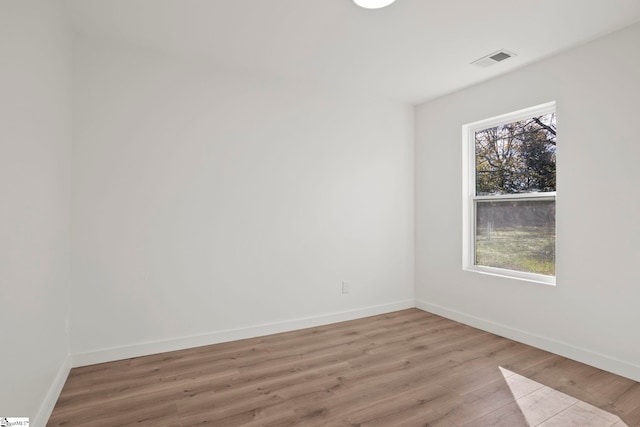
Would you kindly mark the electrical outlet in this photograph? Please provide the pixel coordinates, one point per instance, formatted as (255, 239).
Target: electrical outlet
(345, 287)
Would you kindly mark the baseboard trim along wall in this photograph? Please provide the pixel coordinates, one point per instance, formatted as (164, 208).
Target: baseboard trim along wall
(588, 357)
(46, 408)
(153, 347)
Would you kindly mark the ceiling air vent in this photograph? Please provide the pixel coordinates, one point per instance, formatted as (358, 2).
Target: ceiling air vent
(493, 58)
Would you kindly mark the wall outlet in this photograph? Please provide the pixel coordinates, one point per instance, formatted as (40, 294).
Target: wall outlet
(345, 287)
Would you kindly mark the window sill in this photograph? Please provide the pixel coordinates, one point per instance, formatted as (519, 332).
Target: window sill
(512, 274)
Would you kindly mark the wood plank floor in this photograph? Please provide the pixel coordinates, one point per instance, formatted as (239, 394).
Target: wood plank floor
(407, 368)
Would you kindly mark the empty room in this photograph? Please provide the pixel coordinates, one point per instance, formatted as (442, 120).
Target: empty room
(320, 213)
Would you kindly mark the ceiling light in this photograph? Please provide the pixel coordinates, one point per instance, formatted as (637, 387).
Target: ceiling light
(373, 4)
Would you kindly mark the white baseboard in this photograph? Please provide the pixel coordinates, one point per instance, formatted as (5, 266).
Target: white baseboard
(153, 347)
(46, 408)
(604, 362)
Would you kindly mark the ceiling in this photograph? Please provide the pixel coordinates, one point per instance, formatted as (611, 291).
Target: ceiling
(411, 51)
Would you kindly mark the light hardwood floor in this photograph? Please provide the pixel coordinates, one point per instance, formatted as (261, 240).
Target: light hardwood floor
(408, 368)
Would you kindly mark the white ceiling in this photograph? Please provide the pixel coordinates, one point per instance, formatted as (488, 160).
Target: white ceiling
(411, 51)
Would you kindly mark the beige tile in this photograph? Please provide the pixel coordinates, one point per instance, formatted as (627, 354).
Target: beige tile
(543, 404)
(629, 420)
(581, 415)
(520, 386)
(608, 416)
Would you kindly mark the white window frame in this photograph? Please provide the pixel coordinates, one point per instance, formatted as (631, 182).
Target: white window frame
(469, 198)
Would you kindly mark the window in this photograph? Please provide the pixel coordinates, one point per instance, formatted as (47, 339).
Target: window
(510, 195)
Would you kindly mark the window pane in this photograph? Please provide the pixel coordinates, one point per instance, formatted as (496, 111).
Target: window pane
(516, 235)
(517, 157)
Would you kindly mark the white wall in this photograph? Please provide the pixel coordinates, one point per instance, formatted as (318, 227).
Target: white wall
(592, 314)
(35, 141)
(205, 202)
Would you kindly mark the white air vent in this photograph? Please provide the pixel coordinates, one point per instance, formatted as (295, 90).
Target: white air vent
(493, 58)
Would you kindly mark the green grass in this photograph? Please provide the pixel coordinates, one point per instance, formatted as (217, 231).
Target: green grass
(531, 249)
